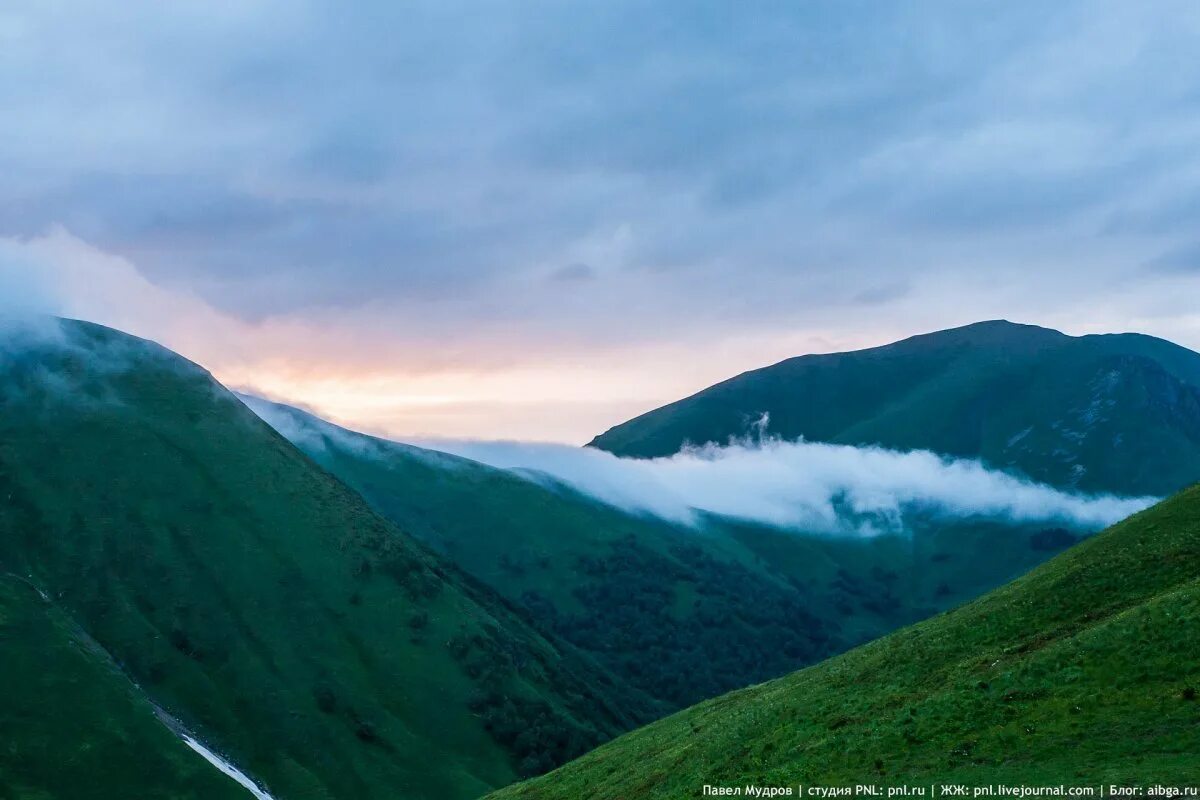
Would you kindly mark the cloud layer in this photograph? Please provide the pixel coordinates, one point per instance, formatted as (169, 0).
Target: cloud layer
(367, 369)
(799, 485)
(285, 156)
(805, 485)
(508, 192)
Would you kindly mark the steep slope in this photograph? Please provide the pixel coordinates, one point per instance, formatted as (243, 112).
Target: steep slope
(52, 674)
(1113, 413)
(635, 592)
(682, 614)
(1085, 671)
(261, 601)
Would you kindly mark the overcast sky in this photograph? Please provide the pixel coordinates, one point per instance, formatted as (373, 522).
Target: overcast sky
(535, 219)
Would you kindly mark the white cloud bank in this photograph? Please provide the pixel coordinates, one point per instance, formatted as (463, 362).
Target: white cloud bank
(817, 487)
(802, 485)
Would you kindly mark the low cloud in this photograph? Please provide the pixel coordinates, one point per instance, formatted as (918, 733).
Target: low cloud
(800, 485)
(806, 485)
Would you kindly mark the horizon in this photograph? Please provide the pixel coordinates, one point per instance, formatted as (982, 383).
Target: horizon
(423, 438)
(538, 223)
(366, 426)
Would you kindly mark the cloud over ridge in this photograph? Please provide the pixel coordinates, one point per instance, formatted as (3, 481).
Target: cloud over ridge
(809, 485)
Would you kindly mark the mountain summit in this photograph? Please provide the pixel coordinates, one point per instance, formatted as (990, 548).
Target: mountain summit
(1101, 413)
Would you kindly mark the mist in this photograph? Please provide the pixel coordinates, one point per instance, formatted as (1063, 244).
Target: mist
(800, 485)
(808, 485)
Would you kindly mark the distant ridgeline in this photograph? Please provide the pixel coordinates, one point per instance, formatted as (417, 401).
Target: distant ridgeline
(1109, 413)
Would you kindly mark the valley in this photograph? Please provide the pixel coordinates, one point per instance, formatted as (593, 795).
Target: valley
(338, 615)
(617, 400)
(1044, 681)
(680, 613)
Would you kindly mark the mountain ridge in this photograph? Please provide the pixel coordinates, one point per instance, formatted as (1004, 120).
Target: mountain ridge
(260, 600)
(1133, 397)
(680, 613)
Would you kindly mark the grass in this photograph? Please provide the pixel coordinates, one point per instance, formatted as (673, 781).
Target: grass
(55, 680)
(421, 626)
(1085, 671)
(681, 614)
(260, 600)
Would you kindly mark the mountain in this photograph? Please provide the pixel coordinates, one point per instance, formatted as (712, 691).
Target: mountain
(52, 672)
(680, 613)
(253, 597)
(1085, 671)
(640, 595)
(1107, 413)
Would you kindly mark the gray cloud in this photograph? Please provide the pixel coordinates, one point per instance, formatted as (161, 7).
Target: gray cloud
(1184, 259)
(879, 295)
(574, 273)
(283, 157)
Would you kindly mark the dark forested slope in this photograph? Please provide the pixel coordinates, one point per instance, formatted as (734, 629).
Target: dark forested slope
(1085, 671)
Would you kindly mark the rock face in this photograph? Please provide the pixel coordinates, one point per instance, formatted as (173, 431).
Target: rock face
(1111, 413)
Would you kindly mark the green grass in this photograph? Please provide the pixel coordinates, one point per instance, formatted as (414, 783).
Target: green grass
(682, 614)
(1085, 671)
(346, 637)
(260, 600)
(55, 680)
(1115, 413)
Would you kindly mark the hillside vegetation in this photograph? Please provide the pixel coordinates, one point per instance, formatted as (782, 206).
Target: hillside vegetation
(1085, 671)
(257, 598)
(681, 613)
(1111, 413)
(57, 681)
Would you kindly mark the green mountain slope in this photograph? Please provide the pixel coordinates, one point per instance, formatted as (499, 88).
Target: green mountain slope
(57, 681)
(261, 601)
(640, 595)
(1114, 413)
(1085, 671)
(682, 614)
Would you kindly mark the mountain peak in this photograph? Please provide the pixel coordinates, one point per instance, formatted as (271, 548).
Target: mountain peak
(1070, 411)
(988, 333)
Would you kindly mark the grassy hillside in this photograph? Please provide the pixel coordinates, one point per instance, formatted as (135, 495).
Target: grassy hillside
(261, 601)
(1085, 671)
(1116, 413)
(680, 613)
(56, 680)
